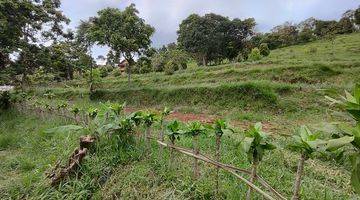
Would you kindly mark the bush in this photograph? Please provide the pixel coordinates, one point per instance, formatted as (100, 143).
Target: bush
(255, 54)
(175, 56)
(116, 73)
(239, 57)
(143, 65)
(4, 100)
(171, 67)
(264, 49)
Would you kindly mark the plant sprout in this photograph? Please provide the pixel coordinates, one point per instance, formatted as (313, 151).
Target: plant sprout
(219, 127)
(351, 103)
(173, 133)
(195, 129)
(255, 143)
(307, 143)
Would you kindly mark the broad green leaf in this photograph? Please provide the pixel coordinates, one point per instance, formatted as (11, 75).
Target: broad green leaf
(64, 129)
(334, 144)
(246, 143)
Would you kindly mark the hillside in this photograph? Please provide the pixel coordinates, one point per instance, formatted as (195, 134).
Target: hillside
(283, 91)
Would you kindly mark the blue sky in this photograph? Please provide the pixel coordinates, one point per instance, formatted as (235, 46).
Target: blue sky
(165, 15)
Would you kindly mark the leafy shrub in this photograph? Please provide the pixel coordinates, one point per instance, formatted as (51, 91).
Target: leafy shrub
(264, 49)
(239, 57)
(255, 54)
(171, 67)
(41, 77)
(4, 100)
(160, 60)
(116, 73)
(143, 65)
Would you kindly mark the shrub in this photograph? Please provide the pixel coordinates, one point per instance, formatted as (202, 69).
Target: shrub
(255, 54)
(143, 65)
(171, 67)
(4, 100)
(239, 57)
(264, 49)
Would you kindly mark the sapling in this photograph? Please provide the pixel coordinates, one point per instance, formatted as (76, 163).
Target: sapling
(163, 114)
(149, 118)
(173, 133)
(351, 103)
(194, 129)
(219, 127)
(307, 143)
(254, 144)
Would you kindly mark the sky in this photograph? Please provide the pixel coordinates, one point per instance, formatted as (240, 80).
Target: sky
(166, 15)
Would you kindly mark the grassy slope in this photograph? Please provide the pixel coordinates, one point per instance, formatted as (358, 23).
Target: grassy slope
(285, 90)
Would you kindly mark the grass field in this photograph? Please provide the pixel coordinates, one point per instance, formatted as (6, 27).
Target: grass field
(283, 91)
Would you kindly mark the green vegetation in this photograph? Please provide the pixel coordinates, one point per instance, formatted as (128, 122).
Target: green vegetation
(60, 94)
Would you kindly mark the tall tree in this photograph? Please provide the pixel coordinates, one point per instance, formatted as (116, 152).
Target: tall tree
(214, 37)
(123, 31)
(22, 24)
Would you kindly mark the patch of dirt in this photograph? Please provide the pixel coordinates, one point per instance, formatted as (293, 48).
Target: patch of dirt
(268, 127)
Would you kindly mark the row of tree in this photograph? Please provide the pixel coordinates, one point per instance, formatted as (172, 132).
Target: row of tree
(308, 30)
(26, 26)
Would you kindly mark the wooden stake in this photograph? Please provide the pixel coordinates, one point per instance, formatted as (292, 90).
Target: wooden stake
(252, 179)
(297, 184)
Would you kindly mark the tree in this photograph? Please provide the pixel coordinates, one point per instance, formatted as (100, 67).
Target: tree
(123, 31)
(357, 16)
(254, 145)
(212, 38)
(323, 28)
(264, 49)
(344, 26)
(23, 23)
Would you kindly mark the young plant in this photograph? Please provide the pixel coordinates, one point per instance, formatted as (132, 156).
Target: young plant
(195, 129)
(173, 133)
(351, 103)
(117, 108)
(255, 143)
(148, 118)
(75, 111)
(92, 113)
(307, 143)
(163, 114)
(219, 127)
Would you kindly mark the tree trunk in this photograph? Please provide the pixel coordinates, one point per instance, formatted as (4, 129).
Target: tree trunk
(217, 157)
(129, 74)
(196, 152)
(252, 179)
(297, 184)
